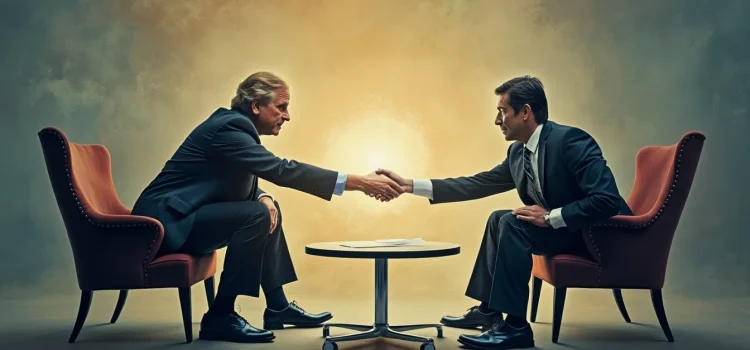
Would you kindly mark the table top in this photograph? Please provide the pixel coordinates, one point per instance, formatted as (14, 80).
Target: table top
(425, 250)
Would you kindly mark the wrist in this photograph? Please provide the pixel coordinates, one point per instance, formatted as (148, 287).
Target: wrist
(410, 185)
(353, 182)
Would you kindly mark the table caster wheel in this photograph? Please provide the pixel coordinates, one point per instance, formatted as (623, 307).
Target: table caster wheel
(440, 332)
(427, 346)
(333, 346)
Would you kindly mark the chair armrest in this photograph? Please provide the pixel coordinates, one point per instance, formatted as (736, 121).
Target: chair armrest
(632, 251)
(617, 236)
(139, 234)
(114, 250)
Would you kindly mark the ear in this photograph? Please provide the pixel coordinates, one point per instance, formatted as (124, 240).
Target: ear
(255, 106)
(526, 111)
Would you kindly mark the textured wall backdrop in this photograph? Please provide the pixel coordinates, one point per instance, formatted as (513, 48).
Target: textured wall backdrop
(401, 84)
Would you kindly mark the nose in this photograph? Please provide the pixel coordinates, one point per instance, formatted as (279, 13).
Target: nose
(499, 120)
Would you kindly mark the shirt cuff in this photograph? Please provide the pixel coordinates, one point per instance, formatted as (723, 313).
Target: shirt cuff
(423, 188)
(265, 195)
(556, 218)
(340, 184)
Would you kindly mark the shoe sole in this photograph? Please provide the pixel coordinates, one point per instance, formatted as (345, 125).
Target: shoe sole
(278, 326)
(209, 336)
(474, 346)
(468, 326)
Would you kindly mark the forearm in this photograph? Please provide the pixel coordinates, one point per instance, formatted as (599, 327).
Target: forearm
(466, 188)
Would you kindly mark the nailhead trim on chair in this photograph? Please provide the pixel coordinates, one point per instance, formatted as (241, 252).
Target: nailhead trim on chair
(97, 224)
(656, 217)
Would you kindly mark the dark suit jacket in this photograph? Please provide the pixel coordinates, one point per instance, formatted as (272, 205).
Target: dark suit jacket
(573, 174)
(220, 161)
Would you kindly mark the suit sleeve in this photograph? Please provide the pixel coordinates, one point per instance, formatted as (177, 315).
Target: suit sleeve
(262, 194)
(237, 150)
(583, 158)
(484, 184)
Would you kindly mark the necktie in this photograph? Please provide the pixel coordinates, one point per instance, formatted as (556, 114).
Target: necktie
(531, 189)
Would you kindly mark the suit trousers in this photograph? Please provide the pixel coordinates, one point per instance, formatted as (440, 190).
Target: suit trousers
(503, 266)
(254, 257)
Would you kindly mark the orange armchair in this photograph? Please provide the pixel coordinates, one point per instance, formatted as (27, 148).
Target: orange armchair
(629, 252)
(112, 249)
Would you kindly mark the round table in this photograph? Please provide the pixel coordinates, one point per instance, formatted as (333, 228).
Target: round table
(381, 255)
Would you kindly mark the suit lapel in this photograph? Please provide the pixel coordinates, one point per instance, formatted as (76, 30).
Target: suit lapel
(542, 149)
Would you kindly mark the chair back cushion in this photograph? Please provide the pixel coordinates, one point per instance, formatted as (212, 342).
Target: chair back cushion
(81, 176)
(663, 179)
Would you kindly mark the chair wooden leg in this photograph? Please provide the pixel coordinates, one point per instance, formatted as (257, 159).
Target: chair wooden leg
(621, 304)
(83, 311)
(120, 304)
(187, 312)
(536, 291)
(559, 305)
(210, 291)
(658, 302)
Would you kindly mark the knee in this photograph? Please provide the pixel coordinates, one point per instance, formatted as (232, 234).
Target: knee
(498, 216)
(510, 221)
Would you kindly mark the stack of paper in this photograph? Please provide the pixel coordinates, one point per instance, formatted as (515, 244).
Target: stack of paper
(379, 243)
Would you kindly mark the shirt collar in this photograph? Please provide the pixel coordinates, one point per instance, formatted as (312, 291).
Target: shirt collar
(534, 139)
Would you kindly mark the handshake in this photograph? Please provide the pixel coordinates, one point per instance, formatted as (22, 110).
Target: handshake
(382, 184)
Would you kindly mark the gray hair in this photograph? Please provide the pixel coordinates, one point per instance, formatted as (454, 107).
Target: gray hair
(259, 87)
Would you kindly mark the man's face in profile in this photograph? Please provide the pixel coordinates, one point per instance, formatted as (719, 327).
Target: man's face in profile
(274, 114)
(507, 118)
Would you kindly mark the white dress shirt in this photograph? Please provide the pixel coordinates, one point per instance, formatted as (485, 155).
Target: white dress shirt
(423, 187)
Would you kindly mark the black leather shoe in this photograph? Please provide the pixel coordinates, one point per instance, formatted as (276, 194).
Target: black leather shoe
(293, 315)
(232, 328)
(500, 336)
(473, 318)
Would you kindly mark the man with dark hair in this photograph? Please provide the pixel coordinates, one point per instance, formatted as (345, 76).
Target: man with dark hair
(561, 176)
(207, 197)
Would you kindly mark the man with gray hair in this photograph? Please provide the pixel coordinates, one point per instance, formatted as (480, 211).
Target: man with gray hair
(207, 198)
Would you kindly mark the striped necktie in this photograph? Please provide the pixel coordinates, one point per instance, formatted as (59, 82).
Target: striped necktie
(531, 189)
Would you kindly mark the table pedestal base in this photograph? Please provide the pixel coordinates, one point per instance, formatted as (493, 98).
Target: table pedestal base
(380, 329)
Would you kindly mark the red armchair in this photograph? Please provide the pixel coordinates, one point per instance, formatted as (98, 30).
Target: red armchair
(629, 252)
(112, 249)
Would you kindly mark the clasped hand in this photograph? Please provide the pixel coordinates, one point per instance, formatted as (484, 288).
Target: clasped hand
(405, 185)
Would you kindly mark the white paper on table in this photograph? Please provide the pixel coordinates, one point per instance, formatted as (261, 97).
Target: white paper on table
(380, 243)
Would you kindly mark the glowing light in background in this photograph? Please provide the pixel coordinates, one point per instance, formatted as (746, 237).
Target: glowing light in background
(374, 140)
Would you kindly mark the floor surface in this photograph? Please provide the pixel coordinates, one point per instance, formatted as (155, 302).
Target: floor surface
(151, 320)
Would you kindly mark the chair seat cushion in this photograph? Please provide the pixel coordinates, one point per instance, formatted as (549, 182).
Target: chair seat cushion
(566, 270)
(180, 270)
